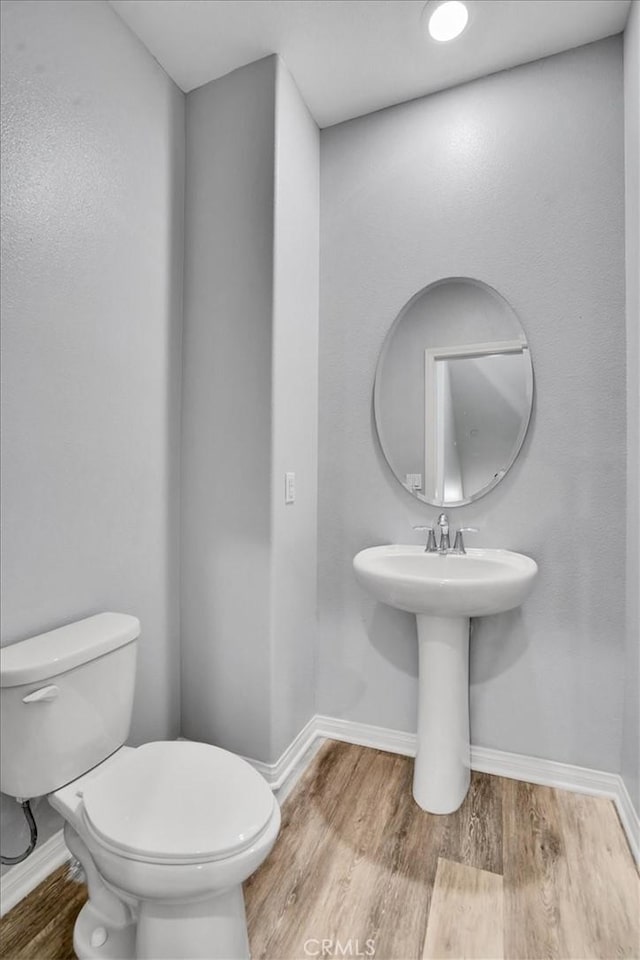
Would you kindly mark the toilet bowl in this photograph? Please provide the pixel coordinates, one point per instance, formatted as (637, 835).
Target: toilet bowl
(166, 832)
(173, 829)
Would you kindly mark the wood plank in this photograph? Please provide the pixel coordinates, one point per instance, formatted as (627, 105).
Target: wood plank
(406, 858)
(473, 834)
(570, 886)
(55, 940)
(318, 802)
(47, 916)
(316, 896)
(604, 888)
(340, 913)
(466, 915)
(535, 874)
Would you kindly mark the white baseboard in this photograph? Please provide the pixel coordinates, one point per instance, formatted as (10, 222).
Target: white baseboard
(366, 735)
(549, 773)
(629, 819)
(276, 773)
(25, 877)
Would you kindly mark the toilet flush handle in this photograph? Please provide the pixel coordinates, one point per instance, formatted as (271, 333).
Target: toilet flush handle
(45, 694)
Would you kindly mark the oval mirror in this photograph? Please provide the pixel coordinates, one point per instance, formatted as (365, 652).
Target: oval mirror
(453, 392)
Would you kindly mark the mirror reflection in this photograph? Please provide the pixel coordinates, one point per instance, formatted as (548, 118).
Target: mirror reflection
(453, 392)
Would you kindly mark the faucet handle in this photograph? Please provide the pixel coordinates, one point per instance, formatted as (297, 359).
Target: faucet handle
(458, 544)
(431, 538)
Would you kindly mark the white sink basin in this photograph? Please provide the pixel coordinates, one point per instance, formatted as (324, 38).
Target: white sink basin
(474, 584)
(444, 591)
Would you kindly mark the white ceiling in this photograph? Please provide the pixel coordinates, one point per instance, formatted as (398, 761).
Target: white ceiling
(350, 57)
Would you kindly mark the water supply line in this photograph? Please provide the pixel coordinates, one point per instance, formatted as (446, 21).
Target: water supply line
(33, 835)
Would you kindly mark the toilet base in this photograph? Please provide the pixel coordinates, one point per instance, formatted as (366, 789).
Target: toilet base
(120, 943)
(211, 929)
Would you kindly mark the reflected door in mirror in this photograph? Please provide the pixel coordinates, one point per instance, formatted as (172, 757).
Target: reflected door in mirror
(475, 401)
(453, 392)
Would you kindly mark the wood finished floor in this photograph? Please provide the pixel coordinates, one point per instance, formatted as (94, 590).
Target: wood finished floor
(519, 872)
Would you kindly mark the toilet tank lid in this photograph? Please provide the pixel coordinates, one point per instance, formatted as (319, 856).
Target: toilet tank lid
(55, 652)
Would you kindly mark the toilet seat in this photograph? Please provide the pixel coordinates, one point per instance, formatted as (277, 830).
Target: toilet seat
(177, 802)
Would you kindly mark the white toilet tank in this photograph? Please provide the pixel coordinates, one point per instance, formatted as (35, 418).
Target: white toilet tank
(65, 702)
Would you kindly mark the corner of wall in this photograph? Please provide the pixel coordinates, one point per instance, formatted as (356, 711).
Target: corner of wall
(294, 411)
(630, 752)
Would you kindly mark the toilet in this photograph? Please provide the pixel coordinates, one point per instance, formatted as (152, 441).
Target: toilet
(166, 832)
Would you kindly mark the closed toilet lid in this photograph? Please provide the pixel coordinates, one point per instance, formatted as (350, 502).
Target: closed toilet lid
(178, 801)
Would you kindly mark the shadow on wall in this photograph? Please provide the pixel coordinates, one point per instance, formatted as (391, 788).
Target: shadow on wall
(504, 637)
(504, 640)
(393, 633)
(348, 693)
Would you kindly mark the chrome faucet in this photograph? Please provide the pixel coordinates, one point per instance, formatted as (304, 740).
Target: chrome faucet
(445, 543)
(443, 523)
(458, 543)
(431, 539)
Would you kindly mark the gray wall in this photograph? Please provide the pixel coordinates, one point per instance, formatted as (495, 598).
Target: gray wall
(226, 422)
(294, 566)
(631, 729)
(517, 180)
(92, 195)
(249, 412)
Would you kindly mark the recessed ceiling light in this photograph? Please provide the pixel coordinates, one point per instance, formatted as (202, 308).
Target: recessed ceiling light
(448, 20)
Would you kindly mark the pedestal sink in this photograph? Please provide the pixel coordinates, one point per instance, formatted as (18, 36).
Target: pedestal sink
(444, 591)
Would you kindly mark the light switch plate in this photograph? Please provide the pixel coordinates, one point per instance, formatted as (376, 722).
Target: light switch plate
(289, 487)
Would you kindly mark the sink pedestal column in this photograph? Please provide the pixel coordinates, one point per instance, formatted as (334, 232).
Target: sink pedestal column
(442, 768)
